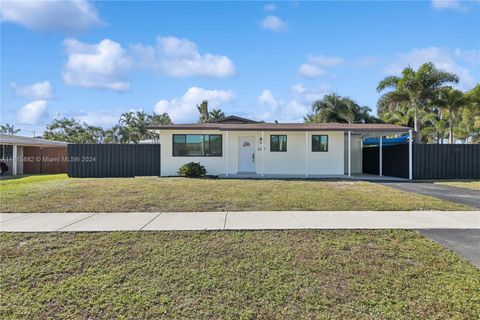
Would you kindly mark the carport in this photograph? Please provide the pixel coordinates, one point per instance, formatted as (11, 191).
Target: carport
(354, 148)
(25, 155)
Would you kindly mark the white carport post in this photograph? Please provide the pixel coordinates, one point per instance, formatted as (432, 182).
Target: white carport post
(14, 160)
(226, 153)
(350, 153)
(263, 151)
(306, 154)
(410, 156)
(380, 150)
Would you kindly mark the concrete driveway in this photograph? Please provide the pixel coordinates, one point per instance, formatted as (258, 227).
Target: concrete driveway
(464, 242)
(454, 194)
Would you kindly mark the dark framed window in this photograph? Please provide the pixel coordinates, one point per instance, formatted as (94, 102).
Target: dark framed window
(6, 151)
(319, 143)
(278, 143)
(197, 145)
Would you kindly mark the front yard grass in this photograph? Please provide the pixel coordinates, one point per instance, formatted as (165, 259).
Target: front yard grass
(474, 185)
(234, 275)
(58, 193)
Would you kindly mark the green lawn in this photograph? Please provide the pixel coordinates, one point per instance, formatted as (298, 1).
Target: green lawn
(236, 275)
(58, 193)
(474, 185)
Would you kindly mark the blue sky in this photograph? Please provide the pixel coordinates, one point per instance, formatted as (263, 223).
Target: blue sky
(263, 60)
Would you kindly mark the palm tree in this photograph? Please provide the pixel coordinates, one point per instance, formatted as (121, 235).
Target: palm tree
(420, 86)
(159, 119)
(452, 100)
(402, 116)
(470, 116)
(127, 127)
(216, 114)
(334, 108)
(9, 129)
(203, 109)
(141, 121)
(113, 135)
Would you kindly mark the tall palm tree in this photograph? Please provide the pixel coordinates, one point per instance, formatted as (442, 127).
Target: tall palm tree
(470, 116)
(452, 100)
(420, 86)
(141, 121)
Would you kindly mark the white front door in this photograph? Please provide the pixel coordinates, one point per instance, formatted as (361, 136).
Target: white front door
(246, 154)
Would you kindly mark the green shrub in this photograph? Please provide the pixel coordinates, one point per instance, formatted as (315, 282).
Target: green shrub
(192, 170)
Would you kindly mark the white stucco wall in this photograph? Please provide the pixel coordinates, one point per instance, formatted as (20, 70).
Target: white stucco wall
(290, 162)
(357, 154)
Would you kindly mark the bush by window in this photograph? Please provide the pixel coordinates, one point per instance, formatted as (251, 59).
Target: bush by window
(197, 145)
(278, 143)
(319, 143)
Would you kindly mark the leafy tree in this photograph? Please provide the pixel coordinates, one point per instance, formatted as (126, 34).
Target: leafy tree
(216, 114)
(8, 129)
(334, 108)
(420, 86)
(203, 110)
(73, 131)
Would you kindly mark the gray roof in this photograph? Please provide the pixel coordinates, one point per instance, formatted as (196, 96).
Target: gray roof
(29, 142)
(261, 126)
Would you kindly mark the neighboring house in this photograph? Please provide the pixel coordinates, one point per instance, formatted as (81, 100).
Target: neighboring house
(24, 155)
(233, 146)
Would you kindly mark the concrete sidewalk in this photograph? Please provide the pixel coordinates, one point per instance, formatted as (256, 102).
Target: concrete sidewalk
(255, 220)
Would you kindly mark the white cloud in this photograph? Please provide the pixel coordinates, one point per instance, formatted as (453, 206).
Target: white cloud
(270, 7)
(177, 57)
(311, 71)
(267, 98)
(39, 90)
(294, 109)
(184, 109)
(65, 16)
(316, 65)
(448, 4)
(33, 112)
(308, 95)
(104, 65)
(456, 61)
(367, 61)
(273, 23)
(104, 119)
(107, 65)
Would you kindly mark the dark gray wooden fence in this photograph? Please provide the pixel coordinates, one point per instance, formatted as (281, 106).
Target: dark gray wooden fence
(430, 161)
(113, 160)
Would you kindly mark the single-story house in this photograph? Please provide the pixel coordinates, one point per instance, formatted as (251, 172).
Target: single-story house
(238, 147)
(25, 155)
